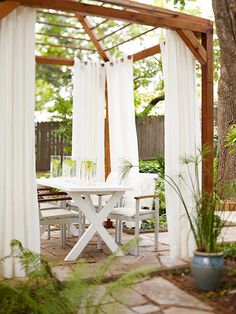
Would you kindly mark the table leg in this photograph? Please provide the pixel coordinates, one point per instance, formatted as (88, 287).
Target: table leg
(96, 220)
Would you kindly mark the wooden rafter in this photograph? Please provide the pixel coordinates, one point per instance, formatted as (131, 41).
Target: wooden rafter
(123, 15)
(6, 7)
(148, 8)
(94, 38)
(57, 14)
(194, 45)
(146, 53)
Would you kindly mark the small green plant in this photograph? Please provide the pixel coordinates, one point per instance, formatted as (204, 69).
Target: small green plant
(205, 224)
(231, 139)
(42, 293)
(150, 223)
(229, 249)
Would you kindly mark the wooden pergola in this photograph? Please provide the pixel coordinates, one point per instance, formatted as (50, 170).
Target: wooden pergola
(196, 32)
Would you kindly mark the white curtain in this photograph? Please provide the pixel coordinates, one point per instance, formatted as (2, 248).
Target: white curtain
(122, 128)
(182, 136)
(89, 113)
(19, 218)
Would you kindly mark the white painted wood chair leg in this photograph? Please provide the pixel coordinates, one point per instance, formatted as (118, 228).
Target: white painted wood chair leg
(49, 232)
(120, 229)
(61, 226)
(116, 231)
(156, 224)
(63, 233)
(84, 223)
(43, 229)
(136, 231)
(68, 232)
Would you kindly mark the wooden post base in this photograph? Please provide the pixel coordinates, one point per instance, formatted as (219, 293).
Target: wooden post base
(108, 224)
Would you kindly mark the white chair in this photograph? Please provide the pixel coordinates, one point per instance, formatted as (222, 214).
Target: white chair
(58, 216)
(138, 205)
(50, 213)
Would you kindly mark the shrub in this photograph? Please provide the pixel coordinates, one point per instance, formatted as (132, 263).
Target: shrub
(42, 293)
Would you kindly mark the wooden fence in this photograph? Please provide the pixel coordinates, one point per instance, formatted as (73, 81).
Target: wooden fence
(150, 131)
(47, 144)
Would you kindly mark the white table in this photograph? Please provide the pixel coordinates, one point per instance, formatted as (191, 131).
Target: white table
(81, 195)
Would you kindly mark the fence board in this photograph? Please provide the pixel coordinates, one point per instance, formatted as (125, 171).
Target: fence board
(47, 144)
(150, 131)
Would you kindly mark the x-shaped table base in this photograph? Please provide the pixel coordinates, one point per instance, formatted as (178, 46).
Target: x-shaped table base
(85, 204)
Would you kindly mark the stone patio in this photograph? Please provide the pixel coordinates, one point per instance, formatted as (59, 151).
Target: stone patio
(95, 257)
(151, 295)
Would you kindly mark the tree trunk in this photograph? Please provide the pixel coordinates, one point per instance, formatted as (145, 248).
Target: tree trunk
(225, 17)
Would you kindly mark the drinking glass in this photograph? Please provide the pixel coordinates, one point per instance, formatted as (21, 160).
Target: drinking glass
(88, 169)
(55, 166)
(68, 167)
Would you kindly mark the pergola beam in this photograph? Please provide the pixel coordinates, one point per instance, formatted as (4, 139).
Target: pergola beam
(6, 7)
(94, 38)
(158, 11)
(194, 45)
(70, 62)
(146, 53)
(54, 60)
(122, 15)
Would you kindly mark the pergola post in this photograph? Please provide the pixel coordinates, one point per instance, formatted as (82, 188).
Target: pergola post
(208, 112)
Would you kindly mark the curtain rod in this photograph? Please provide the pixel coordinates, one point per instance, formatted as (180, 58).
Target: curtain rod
(122, 59)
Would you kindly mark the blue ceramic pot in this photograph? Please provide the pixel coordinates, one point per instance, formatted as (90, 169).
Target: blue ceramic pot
(207, 270)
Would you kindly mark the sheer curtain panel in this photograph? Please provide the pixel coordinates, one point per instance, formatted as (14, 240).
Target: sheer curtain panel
(182, 136)
(89, 113)
(122, 127)
(18, 198)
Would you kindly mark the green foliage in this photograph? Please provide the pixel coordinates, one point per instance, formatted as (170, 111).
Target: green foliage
(229, 249)
(157, 166)
(42, 293)
(180, 4)
(204, 223)
(150, 223)
(231, 139)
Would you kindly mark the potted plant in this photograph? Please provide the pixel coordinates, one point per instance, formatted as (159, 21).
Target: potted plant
(207, 264)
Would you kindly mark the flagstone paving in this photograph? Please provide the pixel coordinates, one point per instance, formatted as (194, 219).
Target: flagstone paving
(151, 295)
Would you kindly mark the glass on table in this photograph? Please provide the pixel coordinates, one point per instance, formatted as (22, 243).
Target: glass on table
(88, 169)
(55, 166)
(68, 167)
